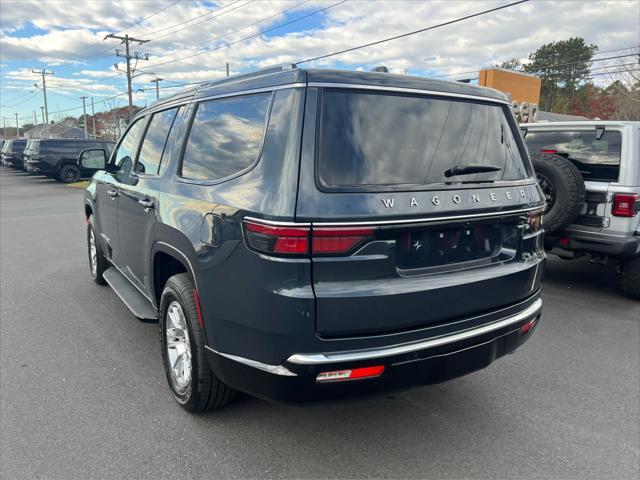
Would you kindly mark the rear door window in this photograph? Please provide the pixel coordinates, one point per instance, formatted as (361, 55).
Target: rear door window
(225, 137)
(597, 160)
(155, 140)
(380, 141)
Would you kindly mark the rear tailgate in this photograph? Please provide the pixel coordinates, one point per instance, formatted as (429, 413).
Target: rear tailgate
(391, 260)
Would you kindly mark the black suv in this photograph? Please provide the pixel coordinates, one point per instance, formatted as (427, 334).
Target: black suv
(58, 157)
(12, 151)
(309, 233)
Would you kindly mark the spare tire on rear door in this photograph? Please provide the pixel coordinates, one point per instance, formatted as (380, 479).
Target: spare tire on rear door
(563, 187)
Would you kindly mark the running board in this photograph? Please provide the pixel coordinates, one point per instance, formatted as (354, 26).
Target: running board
(130, 295)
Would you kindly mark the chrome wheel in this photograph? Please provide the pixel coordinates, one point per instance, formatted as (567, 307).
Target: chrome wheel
(93, 252)
(178, 348)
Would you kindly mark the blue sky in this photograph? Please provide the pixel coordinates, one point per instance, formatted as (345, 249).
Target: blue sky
(67, 37)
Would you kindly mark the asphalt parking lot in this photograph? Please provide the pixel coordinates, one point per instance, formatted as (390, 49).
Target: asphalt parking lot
(83, 393)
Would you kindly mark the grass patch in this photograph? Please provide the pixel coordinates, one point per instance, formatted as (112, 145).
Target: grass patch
(82, 184)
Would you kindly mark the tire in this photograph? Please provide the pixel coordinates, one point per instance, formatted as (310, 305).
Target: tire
(98, 265)
(630, 279)
(69, 173)
(202, 390)
(563, 186)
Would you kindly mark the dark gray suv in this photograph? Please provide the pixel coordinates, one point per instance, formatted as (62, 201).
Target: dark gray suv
(300, 234)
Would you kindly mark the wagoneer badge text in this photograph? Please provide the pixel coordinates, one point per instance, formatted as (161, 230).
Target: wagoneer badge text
(457, 199)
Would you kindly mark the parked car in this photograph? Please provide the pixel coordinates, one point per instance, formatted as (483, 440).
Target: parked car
(25, 153)
(58, 158)
(590, 174)
(308, 233)
(12, 152)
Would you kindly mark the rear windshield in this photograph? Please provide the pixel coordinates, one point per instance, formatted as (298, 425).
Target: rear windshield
(377, 141)
(596, 159)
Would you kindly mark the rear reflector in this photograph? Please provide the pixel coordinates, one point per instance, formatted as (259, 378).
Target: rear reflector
(354, 374)
(625, 204)
(528, 326)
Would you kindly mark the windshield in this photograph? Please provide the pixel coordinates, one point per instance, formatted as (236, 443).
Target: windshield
(383, 140)
(6, 148)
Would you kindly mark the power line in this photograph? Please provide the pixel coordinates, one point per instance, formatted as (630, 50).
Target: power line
(148, 34)
(202, 21)
(251, 36)
(143, 19)
(254, 23)
(396, 37)
(29, 95)
(557, 65)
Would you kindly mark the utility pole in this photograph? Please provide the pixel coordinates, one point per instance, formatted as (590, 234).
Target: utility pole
(93, 118)
(126, 41)
(227, 69)
(157, 82)
(84, 116)
(17, 127)
(44, 74)
(35, 121)
(45, 127)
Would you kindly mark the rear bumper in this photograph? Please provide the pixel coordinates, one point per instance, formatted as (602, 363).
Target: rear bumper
(613, 246)
(427, 361)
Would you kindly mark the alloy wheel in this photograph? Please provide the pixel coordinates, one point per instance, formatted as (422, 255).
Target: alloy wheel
(178, 348)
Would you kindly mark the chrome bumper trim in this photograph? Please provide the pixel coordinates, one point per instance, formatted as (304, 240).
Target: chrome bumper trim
(361, 355)
(275, 369)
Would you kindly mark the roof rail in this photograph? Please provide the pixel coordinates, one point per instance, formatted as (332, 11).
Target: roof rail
(256, 73)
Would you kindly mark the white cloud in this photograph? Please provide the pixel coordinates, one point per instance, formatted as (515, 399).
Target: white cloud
(75, 35)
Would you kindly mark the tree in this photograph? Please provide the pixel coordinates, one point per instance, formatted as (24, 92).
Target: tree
(512, 64)
(564, 68)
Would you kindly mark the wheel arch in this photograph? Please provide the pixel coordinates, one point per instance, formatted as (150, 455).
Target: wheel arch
(166, 261)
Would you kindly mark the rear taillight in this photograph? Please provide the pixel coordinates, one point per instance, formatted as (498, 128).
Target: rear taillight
(302, 241)
(336, 241)
(548, 150)
(625, 204)
(273, 239)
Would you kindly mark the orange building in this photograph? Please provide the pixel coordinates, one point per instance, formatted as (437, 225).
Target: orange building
(521, 86)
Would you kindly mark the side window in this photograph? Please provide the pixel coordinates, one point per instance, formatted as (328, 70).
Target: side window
(225, 136)
(154, 142)
(95, 160)
(126, 151)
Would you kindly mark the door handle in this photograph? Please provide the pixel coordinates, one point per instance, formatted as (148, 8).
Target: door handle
(147, 204)
(113, 193)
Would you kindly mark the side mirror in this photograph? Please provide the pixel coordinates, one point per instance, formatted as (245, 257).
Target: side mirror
(599, 132)
(93, 159)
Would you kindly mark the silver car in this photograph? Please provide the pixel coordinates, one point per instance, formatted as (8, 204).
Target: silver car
(590, 174)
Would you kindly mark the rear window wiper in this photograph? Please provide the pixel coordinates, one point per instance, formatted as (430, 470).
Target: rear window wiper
(470, 168)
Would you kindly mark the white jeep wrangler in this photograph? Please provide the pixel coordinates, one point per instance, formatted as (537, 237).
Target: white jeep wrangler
(589, 172)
